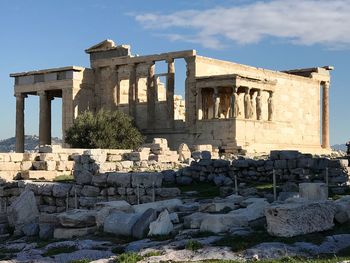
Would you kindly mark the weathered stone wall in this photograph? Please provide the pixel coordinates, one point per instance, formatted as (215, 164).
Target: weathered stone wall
(55, 197)
(289, 166)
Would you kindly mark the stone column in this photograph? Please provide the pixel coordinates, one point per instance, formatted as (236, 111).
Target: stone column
(199, 104)
(20, 122)
(325, 115)
(45, 119)
(270, 107)
(170, 89)
(151, 100)
(216, 98)
(132, 90)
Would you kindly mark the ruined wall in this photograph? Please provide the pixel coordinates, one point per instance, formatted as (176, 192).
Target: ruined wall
(296, 121)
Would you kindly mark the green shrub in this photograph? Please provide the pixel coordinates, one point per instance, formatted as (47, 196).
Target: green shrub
(105, 129)
(193, 245)
(129, 257)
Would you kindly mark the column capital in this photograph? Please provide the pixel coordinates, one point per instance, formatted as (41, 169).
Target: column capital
(326, 84)
(41, 93)
(20, 95)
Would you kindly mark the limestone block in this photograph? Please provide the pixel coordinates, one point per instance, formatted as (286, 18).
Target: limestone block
(299, 218)
(46, 175)
(219, 223)
(99, 180)
(23, 210)
(26, 165)
(106, 167)
(203, 147)
(138, 156)
(10, 166)
(146, 180)
(120, 223)
(119, 179)
(69, 233)
(170, 204)
(162, 226)
(5, 157)
(313, 191)
(16, 157)
(77, 218)
(106, 208)
(184, 152)
(8, 175)
(194, 220)
(127, 164)
(114, 157)
(88, 202)
(90, 191)
(63, 156)
(141, 226)
(82, 177)
(48, 157)
(61, 189)
(51, 165)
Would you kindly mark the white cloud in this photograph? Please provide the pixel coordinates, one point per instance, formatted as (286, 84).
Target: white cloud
(304, 22)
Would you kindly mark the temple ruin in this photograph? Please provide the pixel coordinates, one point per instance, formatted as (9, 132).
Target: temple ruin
(228, 105)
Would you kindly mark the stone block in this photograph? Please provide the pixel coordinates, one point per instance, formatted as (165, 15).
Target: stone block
(90, 191)
(141, 226)
(61, 189)
(26, 165)
(170, 204)
(10, 166)
(43, 175)
(16, 157)
(99, 180)
(77, 218)
(146, 180)
(119, 179)
(120, 223)
(82, 177)
(313, 191)
(69, 233)
(288, 155)
(299, 218)
(162, 226)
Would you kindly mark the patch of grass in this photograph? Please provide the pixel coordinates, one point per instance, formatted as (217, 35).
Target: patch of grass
(64, 178)
(152, 254)
(205, 190)
(240, 243)
(59, 250)
(129, 257)
(282, 260)
(193, 245)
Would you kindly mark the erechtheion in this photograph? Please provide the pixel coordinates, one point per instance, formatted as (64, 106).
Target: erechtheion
(228, 105)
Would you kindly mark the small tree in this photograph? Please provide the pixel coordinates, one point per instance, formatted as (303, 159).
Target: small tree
(105, 129)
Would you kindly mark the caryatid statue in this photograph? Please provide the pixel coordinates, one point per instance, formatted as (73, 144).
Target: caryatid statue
(271, 107)
(234, 104)
(247, 104)
(258, 103)
(216, 103)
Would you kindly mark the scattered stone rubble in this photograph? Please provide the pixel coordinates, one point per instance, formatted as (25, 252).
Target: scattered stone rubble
(142, 205)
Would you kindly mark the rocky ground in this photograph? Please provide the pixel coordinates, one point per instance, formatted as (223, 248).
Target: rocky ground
(197, 227)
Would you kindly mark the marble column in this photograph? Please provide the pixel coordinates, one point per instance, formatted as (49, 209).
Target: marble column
(170, 89)
(44, 119)
(151, 100)
(20, 122)
(325, 115)
(132, 90)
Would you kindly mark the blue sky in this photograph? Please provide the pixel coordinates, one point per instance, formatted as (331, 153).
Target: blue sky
(279, 35)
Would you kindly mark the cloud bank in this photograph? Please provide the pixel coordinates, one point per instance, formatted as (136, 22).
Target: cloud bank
(302, 22)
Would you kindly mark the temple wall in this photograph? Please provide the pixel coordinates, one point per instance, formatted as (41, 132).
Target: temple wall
(296, 121)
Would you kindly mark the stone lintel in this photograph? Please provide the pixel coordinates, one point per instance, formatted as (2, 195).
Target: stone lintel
(148, 58)
(44, 71)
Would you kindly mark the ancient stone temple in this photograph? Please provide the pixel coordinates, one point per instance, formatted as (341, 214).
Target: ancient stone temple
(228, 105)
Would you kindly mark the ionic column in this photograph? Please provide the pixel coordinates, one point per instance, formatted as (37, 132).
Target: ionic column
(20, 122)
(44, 119)
(170, 88)
(151, 100)
(132, 88)
(216, 103)
(325, 115)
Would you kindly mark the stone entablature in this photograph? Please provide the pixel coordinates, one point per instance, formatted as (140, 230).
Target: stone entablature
(252, 108)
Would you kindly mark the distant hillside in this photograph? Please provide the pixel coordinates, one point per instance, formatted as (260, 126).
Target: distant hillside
(339, 147)
(31, 143)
